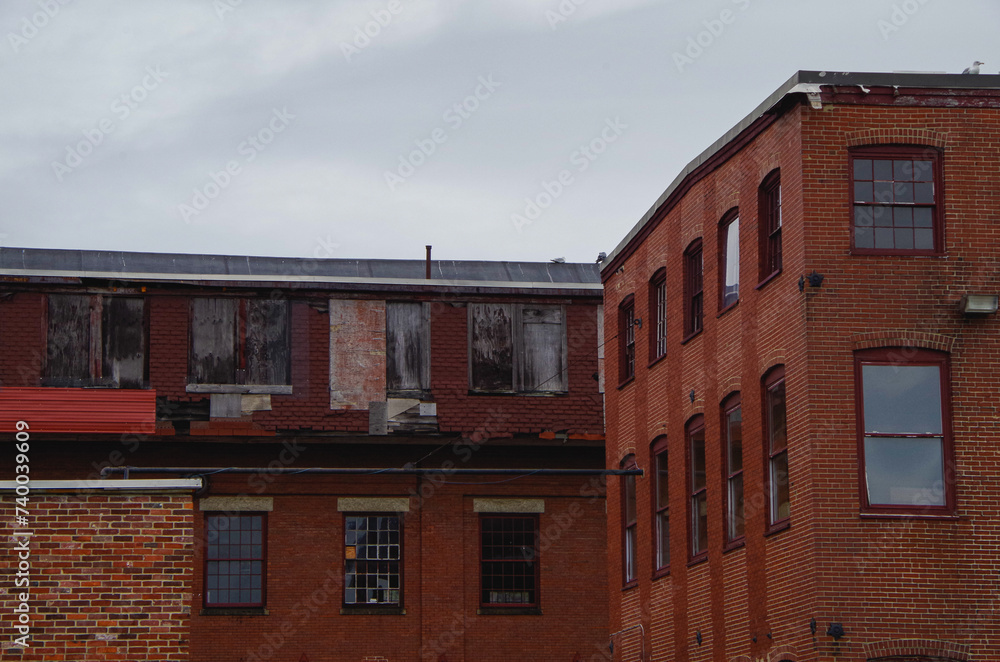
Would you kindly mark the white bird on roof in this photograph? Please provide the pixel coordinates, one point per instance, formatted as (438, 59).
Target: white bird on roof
(974, 69)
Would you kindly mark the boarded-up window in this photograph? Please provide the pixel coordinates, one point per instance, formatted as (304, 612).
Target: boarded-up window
(407, 346)
(95, 341)
(492, 347)
(517, 348)
(239, 342)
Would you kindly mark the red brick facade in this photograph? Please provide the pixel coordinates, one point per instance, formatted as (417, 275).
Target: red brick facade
(902, 588)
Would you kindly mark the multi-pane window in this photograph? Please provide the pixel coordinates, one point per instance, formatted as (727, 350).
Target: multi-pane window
(697, 481)
(95, 340)
(729, 259)
(626, 339)
(776, 439)
(509, 560)
(372, 560)
(693, 304)
(235, 546)
(895, 200)
(658, 315)
(661, 505)
(629, 523)
(905, 444)
(239, 341)
(732, 430)
(769, 225)
(517, 348)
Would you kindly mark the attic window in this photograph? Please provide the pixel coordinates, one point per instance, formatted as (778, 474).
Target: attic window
(517, 348)
(239, 341)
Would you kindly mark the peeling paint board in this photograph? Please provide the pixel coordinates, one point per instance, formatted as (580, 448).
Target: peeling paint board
(491, 347)
(357, 353)
(124, 342)
(267, 342)
(213, 340)
(407, 344)
(69, 340)
(543, 349)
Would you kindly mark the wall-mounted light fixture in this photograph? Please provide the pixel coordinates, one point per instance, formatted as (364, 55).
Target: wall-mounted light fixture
(978, 304)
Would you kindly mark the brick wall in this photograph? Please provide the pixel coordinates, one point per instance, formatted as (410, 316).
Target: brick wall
(110, 578)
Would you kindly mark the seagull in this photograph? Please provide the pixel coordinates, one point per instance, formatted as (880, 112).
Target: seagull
(602, 256)
(558, 260)
(974, 69)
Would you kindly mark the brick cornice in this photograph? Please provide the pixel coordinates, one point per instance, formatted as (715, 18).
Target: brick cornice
(898, 649)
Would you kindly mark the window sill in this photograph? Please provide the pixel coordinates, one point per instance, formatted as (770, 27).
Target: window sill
(736, 544)
(509, 611)
(661, 572)
(626, 382)
(727, 308)
(896, 253)
(534, 394)
(631, 585)
(656, 360)
(783, 525)
(348, 610)
(691, 336)
(234, 611)
(768, 279)
(947, 517)
(698, 560)
(246, 389)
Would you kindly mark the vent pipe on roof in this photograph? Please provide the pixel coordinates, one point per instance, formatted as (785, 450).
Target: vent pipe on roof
(428, 262)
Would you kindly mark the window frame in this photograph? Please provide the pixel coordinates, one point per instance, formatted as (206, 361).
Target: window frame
(730, 404)
(626, 340)
(535, 561)
(773, 379)
(728, 219)
(908, 356)
(660, 512)
(694, 289)
(900, 151)
(244, 343)
(558, 384)
(263, 561)
(375, 606)
(696, 495)
(769, 225)
(630, 527)
(657, 315)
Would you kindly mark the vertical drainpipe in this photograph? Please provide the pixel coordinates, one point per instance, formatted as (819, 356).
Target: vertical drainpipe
(428, 262)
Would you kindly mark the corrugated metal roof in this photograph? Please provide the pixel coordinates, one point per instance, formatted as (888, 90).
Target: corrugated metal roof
(78, 410)
(183, 267)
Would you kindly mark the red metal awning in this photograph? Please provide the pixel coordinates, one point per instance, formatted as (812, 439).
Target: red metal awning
(77, 410)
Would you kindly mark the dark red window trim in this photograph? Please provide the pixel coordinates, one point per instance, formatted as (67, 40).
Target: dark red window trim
(775, 455)
(769, 227)
(728, 300)
(694, 303)
(660, 511)
(908, 356)
(630, 523)
(915, 152)
(535, 561)
(732, 475)
(697, 490)
(656, 318)
(626, 339)
(262, 559)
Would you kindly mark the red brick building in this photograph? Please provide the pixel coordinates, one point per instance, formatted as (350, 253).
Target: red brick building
(804, 335)
(327, 460)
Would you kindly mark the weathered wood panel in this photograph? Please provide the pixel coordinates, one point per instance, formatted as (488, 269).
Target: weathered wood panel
(268, 359)
(124, 343)
(543, 350)
(213, 341)
(68, 359)
(357, 353)
(407, 344)
(491, 347)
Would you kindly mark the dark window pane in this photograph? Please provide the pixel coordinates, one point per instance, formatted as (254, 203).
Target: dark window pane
(923, 239)
(862, 169)
(883, 238)
(902, 217)
(902, 399)
(864, 238)
(630, 499)
(904, 238)
(923, 217)
(902, 170)
(663, 540)
(735, 437)
(700, 523)
(863, 192)
(776, 417)
(923, 193)
(779, 487)
(863, 217)
(903, 192)
(735, 523)
(883, 192)
(698, 460)
(882, 169)
(882, 216)
(662, 494)
(901, 471)
(923, 171)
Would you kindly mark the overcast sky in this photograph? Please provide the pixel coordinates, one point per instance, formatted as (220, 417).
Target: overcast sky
(371, 128)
